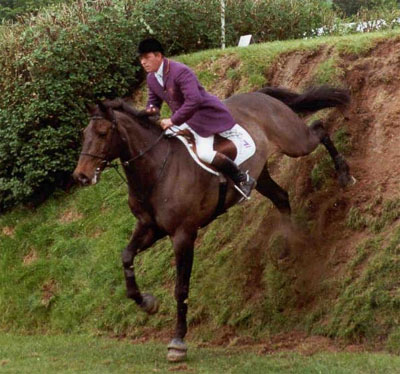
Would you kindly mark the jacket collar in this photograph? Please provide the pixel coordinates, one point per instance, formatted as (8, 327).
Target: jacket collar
(166, 70)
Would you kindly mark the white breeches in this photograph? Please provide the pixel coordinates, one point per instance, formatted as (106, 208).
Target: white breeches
(245, 145)
(205, 148)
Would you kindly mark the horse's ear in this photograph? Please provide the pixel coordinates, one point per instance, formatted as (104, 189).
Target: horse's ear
(105, 109)
(102, 107)
(91, 108)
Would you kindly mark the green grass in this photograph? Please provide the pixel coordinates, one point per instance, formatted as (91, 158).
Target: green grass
(329, 73)
(256, 60)
(83, 354)
(375, 217)
(323, 171)
(60, 267)
(370, 289)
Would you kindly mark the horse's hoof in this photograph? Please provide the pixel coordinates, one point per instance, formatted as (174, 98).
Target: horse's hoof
(347, 180)
(177, 350)
(149, 304)
(353, 181)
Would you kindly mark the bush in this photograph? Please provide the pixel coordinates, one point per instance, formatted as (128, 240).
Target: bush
(183, 26)
(351, 8)
(52, 65)
(277, 19)
(12, 9)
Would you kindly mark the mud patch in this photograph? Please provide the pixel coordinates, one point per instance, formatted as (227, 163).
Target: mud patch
(296, 69)
(70, 216)
(48, 292)
(8, 231)
(30, 258)
(224, 83)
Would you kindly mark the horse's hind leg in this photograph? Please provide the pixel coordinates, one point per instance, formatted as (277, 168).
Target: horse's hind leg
(143, 237)
(341, 166)
(269, 188)
(279, 197)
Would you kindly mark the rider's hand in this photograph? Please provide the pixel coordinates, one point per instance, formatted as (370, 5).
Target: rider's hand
(152, 110)
(166, 123)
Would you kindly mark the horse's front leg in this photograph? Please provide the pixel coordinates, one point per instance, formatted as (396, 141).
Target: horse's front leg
(183, 242)
(142, 238)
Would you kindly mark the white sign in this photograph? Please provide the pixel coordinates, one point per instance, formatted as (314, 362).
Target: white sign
(245, 40)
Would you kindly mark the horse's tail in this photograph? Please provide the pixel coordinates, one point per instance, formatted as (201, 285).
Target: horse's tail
(313, 99)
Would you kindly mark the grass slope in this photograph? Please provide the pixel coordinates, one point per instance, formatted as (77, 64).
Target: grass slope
(60, 268)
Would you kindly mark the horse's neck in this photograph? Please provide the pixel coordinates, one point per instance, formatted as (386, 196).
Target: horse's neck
(145, 153)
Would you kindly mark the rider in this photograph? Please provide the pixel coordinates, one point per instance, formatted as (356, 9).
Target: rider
(205, 114)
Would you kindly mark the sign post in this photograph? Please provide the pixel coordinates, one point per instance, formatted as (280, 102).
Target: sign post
(223, 24)
(245, 40)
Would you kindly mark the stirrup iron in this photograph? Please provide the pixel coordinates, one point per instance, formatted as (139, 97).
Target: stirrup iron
(244, 196)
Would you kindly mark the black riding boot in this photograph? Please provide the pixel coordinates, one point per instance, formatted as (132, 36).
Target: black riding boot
(243, 180)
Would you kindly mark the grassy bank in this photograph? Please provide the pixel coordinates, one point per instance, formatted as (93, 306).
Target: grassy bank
(83, 354)
(60, 268)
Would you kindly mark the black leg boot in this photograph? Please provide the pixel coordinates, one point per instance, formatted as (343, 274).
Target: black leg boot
(226, 166)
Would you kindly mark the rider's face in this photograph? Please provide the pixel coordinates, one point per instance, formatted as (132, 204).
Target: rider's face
(151, 61)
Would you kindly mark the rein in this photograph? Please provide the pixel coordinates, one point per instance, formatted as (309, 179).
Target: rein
(126, 163)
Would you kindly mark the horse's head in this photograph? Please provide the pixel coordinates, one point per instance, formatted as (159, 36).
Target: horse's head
(100, 145)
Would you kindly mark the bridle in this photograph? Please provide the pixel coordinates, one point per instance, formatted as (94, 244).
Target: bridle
(109, 164)
(113, 129)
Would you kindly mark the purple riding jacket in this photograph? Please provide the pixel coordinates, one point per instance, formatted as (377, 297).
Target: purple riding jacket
(188, 100)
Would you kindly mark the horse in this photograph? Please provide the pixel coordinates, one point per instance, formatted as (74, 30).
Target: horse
(170, 195)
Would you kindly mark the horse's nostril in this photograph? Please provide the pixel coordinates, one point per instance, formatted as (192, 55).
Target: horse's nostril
(81, 178)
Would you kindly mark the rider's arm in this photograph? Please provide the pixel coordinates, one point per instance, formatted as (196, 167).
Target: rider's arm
(189, 87)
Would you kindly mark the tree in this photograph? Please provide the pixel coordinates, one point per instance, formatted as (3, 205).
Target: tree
(351, 7)
(11, 9)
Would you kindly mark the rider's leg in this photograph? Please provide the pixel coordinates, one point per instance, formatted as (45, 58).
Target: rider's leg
(224, 164)
(242, 179)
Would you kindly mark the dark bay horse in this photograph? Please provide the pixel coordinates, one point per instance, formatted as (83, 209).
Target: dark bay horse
(172, 196)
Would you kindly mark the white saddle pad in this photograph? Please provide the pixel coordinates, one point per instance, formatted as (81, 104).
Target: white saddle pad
(242, 140)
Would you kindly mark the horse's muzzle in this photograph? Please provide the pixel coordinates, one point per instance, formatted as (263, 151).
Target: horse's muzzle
(84, 180)
(81, 178)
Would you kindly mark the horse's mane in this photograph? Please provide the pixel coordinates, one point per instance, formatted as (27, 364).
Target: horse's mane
(141, 116)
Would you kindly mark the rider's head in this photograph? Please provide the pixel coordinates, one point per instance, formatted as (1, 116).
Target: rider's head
(151, 54)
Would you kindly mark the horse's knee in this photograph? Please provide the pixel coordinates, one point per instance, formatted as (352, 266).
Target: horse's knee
(318, 129)
(127, 258)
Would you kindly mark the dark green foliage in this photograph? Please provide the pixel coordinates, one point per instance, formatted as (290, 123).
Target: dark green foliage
(350, 8)
(11, 9)
(50, 69)
(181, 25)
(276, 19)
(186, 26)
